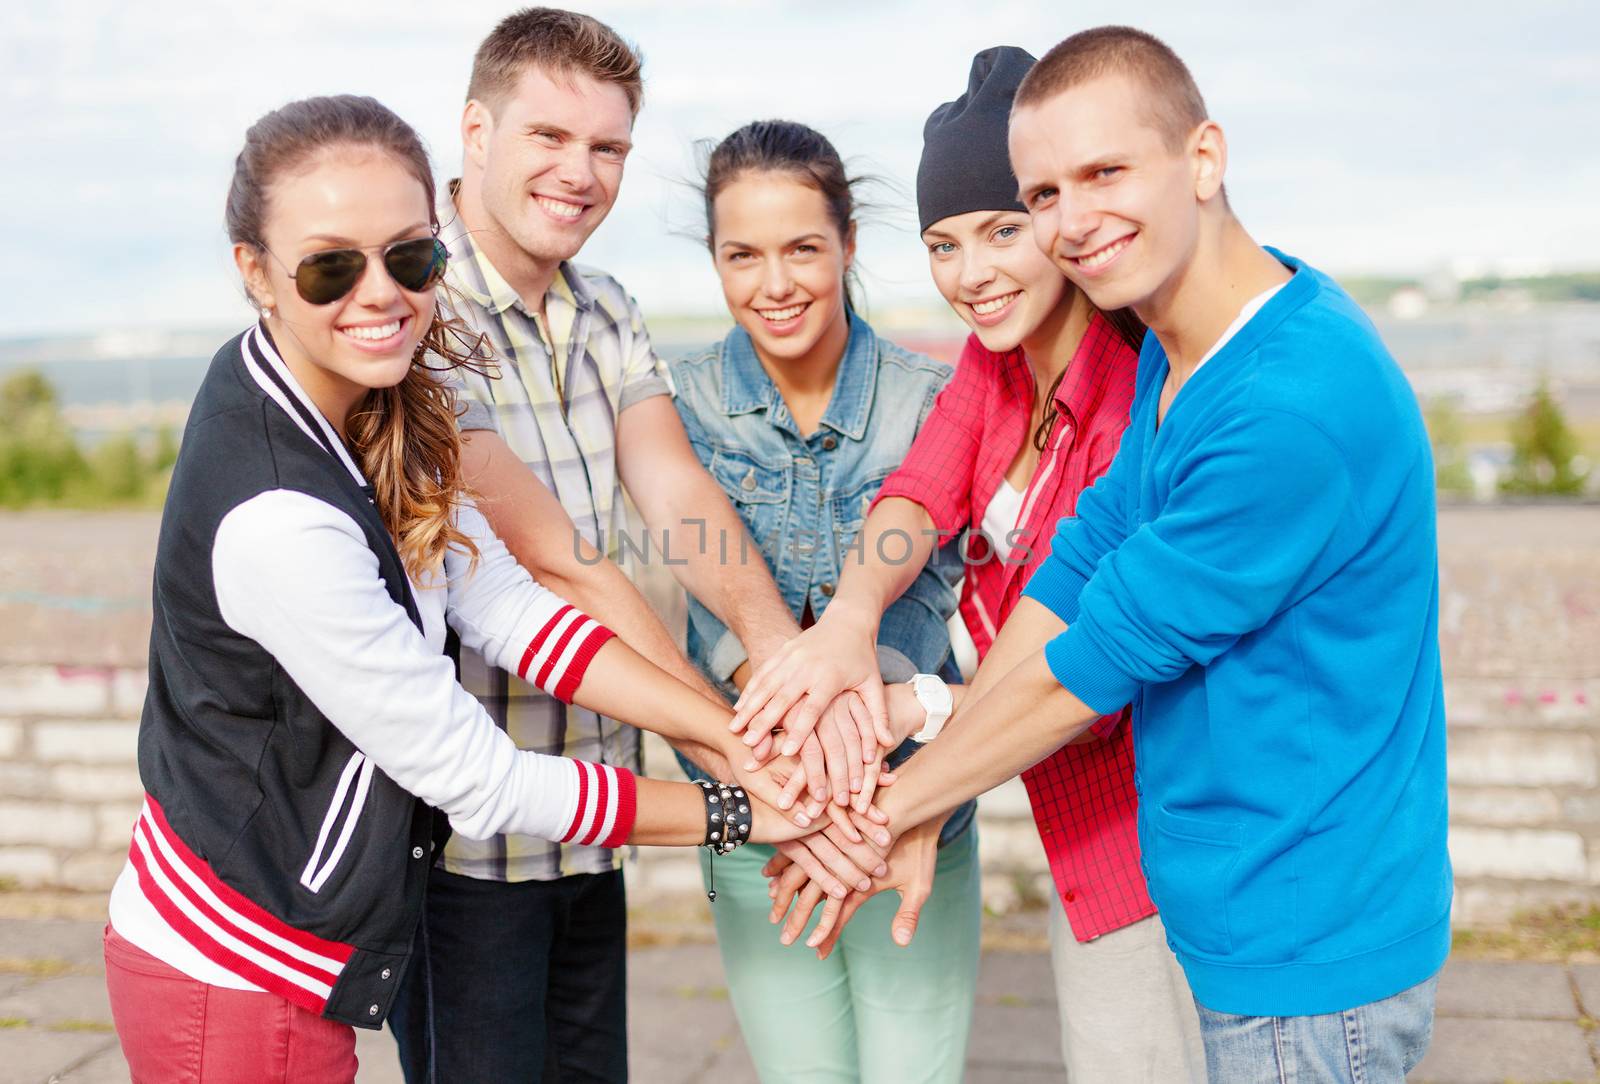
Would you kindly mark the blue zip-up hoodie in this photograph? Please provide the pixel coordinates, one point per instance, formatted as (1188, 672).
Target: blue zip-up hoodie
(1259, 578)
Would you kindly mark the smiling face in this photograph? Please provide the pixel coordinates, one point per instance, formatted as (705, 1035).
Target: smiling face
(988, 268)
(344, 197)
(1114, 204)
(546, 163)
(782, 263)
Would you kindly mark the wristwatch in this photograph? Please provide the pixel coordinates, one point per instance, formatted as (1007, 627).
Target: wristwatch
(934, 696)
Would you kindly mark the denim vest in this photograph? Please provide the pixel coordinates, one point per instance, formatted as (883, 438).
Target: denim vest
(804, 498)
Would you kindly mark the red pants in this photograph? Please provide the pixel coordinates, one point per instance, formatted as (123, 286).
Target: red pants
(178, 1030)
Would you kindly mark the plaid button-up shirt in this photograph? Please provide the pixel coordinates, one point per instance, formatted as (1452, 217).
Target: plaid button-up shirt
(1082, 795)
(564, 380)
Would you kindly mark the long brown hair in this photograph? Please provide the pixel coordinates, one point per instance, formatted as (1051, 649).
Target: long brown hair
(1129, 328)
(404, 436)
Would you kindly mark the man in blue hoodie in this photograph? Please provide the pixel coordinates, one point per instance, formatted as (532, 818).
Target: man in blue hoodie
(1257, 574)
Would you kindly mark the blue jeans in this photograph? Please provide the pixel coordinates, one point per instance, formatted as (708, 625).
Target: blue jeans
(1376, 1043)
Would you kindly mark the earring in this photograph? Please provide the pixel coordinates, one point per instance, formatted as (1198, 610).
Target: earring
(266, 311)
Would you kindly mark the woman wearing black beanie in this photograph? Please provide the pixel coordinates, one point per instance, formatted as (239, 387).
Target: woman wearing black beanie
(1033, 416)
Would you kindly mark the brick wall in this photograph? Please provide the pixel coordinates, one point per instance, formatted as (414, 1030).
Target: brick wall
(69, 785)
(1519, 626)
(1524, 795)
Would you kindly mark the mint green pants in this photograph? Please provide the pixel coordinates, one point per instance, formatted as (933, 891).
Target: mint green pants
(872, 1011)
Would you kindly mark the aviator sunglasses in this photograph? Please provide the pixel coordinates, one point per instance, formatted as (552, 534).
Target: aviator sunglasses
(324, 277)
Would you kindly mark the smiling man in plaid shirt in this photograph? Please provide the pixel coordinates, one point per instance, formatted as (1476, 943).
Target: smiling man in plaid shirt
(522, 963)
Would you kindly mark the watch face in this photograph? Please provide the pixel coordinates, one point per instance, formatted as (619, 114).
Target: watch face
(933, 693)
(936, 700)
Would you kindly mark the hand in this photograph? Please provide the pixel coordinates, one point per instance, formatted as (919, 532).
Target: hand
(860, 815)
(906, 713)
(911, 863)
(829, 857)
(803, 677)
(778, 784)
(850, 754)
(768, 825)
(831, 758)
(848, 716)
(791, 879)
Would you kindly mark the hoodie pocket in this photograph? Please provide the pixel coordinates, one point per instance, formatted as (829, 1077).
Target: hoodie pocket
(1190, 869)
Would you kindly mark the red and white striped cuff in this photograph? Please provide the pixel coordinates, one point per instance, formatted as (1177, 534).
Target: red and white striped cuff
(228, 929)
(560, 652)
(607, 806)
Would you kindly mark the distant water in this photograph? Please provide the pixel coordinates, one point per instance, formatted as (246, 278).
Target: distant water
(156, 379)
(86, 381)
(104, 384)
(95, 381)
(1489, 356)
(1563, 339)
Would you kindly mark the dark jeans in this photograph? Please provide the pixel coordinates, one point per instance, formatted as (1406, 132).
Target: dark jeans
(517, 983)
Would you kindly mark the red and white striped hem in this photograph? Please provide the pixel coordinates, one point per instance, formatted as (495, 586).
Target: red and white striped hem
(226, 928)
(607, 805)
(560, 652)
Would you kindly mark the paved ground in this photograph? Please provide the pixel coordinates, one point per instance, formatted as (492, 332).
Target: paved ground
(1498, 1022)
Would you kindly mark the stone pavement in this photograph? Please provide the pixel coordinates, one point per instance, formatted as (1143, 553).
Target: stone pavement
(1498, 1022)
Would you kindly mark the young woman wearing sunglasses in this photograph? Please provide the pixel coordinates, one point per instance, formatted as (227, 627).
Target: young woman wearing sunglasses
(303, 739)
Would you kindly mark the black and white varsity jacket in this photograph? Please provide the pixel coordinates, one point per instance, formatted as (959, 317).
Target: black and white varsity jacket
(302, 717)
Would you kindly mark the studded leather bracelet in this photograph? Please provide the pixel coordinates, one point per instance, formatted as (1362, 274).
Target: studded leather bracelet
(728, 823)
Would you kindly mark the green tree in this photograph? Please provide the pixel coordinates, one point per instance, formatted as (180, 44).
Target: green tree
(166, 449)
(1544, 450)
(26, 391)
(39, 459)
(1450, 473)
(119, 471)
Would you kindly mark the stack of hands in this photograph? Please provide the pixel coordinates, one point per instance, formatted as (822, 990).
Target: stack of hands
(816, 724)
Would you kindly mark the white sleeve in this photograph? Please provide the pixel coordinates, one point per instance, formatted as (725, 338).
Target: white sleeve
(513, 621)
(295, 574)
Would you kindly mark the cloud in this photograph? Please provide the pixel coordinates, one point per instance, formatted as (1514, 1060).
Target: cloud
(1393, 138)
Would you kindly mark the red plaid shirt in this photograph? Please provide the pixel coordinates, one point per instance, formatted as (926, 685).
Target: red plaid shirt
(1082, 795)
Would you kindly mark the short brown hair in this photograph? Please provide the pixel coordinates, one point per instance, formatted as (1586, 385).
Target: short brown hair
(1175, 105)
(560, 42)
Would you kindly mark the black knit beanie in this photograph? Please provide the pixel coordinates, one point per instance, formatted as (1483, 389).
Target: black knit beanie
(966, 164)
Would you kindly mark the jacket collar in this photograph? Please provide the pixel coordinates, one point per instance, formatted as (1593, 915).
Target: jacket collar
(746, 387)
(267, 369)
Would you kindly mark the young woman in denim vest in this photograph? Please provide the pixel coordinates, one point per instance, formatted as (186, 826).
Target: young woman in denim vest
(1033, 416)
(800, 413)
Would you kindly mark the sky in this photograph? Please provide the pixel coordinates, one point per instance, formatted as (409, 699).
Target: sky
(1370, 136)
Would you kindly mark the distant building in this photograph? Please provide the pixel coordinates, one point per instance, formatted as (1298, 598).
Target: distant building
(1407, 303)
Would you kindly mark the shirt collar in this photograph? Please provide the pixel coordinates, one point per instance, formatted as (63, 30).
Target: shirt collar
(746, 387)
(1087, 376)
(477, 278)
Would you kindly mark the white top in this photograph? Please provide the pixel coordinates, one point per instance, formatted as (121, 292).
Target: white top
(1000, 517)
(1246, 314)
(295, 574)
